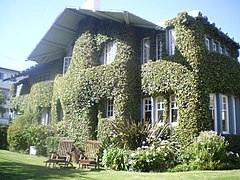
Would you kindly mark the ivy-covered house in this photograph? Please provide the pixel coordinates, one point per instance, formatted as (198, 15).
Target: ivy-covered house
(97, 65)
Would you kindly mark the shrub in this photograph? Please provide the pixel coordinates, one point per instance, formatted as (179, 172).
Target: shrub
(3, 136)
(115, 158)
(208, 151)
(17, 136)
(105, 131)
(234, 142)
(152, 158)
(130, 133)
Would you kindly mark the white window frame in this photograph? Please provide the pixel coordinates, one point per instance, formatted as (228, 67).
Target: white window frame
(214, 47)
(220, 50)
(213, 107)
(147, 108)
(110, 50)
(224, 109)
(45, 117)
(145, 50)
(171, 41)
(207, 43)
(110, 109)
(159, 107)
(66, 63)
(159, 47)
(173, 106)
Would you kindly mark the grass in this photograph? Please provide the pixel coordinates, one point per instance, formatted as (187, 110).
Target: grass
(25, 167)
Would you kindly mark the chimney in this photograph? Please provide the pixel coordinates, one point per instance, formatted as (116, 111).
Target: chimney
(91, 5)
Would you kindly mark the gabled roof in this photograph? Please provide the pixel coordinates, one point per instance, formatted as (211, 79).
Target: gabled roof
(65, 29)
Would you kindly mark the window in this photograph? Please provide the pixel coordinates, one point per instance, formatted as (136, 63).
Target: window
(147, 104)
(173, 109)
(224, 113)
(172, 41)
(146, 50)
(207, 42)
(109, 52)
(158, 47)
(1, 75)
(212, 111)
(110, 108)
(66, 63)
(45, 116)
(160, 109)
(214, 47)
(220, 50)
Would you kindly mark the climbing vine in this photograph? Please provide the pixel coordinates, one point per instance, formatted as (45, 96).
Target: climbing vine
(191, 74)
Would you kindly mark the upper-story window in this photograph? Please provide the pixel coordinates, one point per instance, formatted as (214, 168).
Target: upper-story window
(66, 62)
(214, 47)
(158, 47)
(1, 75)
(220, 49)
(110, 50)
(146, 50)
(172, 41)
(207, 42)
(110, 109)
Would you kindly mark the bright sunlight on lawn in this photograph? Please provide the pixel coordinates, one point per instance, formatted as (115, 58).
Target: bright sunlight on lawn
(20, 166)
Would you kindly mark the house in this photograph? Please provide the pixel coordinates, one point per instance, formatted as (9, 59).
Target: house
(95, 65)
(5, 88)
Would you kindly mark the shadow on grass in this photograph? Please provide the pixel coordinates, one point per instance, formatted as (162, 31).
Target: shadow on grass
(21, 171)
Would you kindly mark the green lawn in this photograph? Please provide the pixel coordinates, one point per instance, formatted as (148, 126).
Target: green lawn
(26, 167)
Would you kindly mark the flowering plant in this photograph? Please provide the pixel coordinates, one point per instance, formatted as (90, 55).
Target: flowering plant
(152, 158)
(208, 151)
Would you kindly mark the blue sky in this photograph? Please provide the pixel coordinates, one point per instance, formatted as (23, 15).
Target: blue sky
(25, 22)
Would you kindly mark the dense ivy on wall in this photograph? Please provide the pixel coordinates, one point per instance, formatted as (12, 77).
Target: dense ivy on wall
(191, 74)
(40, 97)
(87, 84)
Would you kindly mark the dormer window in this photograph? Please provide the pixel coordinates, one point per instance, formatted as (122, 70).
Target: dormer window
(146, 50)
(207, 42)
(66, 62)
(110, 50)
(172, 41)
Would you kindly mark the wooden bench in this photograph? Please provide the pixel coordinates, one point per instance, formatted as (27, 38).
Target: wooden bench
(63, 157)
(90, 155)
